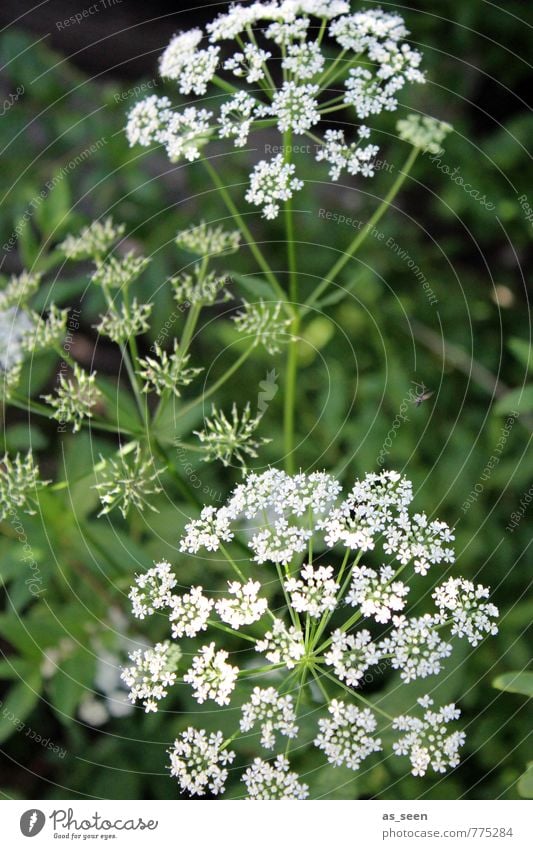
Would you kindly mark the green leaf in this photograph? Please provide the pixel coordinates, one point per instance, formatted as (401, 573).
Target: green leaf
(515, 682)
(255, 286)
(517, 400)
(19, 704)
(525, 783)
(522, 351)
(52, 215)
(20, 437)
(74, 677)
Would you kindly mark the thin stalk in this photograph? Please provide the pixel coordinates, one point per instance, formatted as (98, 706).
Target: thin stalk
(218, 383)
(361, 698)
(362, 234)
(231, 631)
(256, 251)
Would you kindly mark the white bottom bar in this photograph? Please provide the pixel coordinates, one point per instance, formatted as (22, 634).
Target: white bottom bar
(268, 825)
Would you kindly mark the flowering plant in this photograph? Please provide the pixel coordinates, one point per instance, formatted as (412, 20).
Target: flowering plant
(306, 615)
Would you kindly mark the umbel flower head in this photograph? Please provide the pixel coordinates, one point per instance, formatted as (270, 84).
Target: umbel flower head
(321, 599)
(273, 63)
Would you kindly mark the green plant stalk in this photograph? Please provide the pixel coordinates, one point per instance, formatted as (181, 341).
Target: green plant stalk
(218, 383)
(354, 246)
(356, 695)
(291, 373)
(256, 251)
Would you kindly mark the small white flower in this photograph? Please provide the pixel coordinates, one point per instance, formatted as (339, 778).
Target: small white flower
(295, 107)
(236, 117)
(415, 647)
(351, 655)
(199, 762)
(189, 613)
(152, 673)
(265, 780)
(471, 616)
(250, 64)
(272, 182)
(273, 713)
(245, 607)
(282, 644)
(185, 133)
(378, 596)
(347, 736)
(211, 677)
(303, 60)
(147, 119)
(315, 592)
(426, 741)
(209, 531)
(152, 590)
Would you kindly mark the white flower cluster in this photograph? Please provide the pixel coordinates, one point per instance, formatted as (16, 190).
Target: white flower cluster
(351, 655)
(415, 647)
(347, 736)
(314, 592)
(377, 507)
(377, 595)
(472, 616)
(210, 676)
(372, 65)
(319, 630)
(266, 780)
(426, 740)
(189, 613)
(152, 590)
(199, 762)
(272, 182)
(244, 607)
(272, 712)
(152, 673)
(282, 645)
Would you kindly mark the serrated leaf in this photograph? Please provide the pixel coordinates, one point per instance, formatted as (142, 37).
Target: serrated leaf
(515, 682)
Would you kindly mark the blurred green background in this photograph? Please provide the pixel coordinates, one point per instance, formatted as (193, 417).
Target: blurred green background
(358, 358)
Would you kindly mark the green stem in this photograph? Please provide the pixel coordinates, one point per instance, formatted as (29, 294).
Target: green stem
(292, 354)
(256, 251)
(231, 631)
(361, 698)
(362, 235)
(218, 383)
